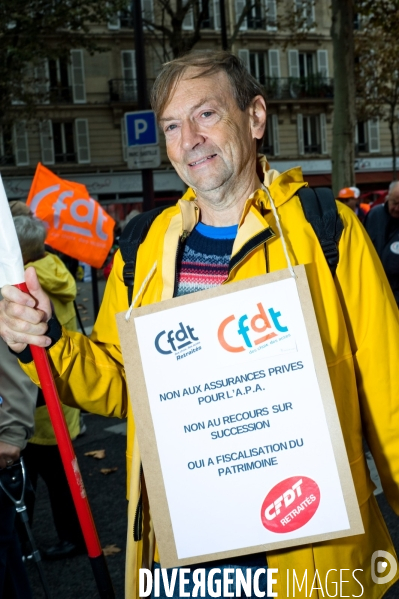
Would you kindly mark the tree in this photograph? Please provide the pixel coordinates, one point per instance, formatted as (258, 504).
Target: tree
(34, 30)
(178, 24)
(343, 147)
(377, 67)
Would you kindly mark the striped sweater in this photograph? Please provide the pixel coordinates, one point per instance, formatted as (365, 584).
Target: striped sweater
(205, 259)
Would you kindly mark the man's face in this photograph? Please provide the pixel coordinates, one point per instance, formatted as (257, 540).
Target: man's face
(351, 203)
(393, 201)
(209, 140)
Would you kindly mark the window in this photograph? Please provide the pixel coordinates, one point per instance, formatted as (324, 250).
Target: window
(305, 13)
(59, 80)
(188, 21)
(20, 140)
(312, 134)
(78, 77)
(124, 139)
(271, 15)
(255, 18)
(258, 66)
(129, 76)
(211, 18)
(7, 157)
(124, 18)
(307, 64)
(65, 141)
(271, 141)
(367, 136)
(14, 145)
(262, 65)
(308, 72)
(358, 22)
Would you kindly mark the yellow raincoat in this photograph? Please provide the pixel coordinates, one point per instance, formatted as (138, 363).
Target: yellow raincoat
(359, 325)
(60, 286)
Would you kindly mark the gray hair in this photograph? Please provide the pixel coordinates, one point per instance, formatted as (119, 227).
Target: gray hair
(31, 234)
(392, 186)
(244, 87)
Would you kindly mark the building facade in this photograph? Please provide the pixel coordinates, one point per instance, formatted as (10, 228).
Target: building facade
(79, 131)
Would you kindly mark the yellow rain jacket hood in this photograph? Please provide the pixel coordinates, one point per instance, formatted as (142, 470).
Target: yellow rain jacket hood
(359, 327)
(60, 286)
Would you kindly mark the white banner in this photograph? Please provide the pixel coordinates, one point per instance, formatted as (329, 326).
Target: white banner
(241, 432)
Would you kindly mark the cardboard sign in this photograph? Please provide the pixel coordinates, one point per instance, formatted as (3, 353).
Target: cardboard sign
(240, 440)
(77, 225)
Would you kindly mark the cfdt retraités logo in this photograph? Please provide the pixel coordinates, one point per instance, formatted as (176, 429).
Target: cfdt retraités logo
(181, 342)
(237, 334)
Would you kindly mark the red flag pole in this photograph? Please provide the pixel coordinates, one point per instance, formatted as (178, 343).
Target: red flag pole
(72, 471)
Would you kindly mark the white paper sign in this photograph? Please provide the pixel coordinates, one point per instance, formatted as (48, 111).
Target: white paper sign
(241, 431)
(11, 262)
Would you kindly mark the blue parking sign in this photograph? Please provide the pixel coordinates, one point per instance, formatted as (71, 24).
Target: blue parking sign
(141, 128)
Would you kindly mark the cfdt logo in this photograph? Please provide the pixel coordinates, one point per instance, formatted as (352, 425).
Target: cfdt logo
(290, 504)
(176, 340)
(262, 327)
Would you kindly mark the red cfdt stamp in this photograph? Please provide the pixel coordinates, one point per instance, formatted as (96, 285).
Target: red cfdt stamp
(290, 504)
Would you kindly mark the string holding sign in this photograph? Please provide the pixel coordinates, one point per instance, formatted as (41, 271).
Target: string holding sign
(77, 225)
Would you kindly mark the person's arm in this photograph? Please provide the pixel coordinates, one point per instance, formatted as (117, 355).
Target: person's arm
(17, 406)
(372, 320)
(89, 373)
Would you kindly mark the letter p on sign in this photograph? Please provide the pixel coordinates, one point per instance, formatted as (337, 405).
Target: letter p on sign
(141, 128)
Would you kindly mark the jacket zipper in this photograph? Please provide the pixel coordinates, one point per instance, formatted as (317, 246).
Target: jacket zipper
(180, 245)
(245, 254)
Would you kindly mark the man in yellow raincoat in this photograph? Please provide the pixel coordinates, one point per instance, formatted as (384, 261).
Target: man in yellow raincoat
(213, 115)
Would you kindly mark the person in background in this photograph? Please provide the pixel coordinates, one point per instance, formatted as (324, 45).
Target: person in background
(17, 405)
(350, 196)
(382, 224)
(42, 456)
(19, 208)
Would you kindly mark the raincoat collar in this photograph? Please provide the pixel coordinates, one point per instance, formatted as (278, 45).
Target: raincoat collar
(282, 187)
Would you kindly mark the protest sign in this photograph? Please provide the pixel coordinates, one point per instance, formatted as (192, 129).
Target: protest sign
(240, 439)
(77, 225)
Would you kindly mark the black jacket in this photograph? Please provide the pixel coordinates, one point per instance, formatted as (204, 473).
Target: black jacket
(384, 233)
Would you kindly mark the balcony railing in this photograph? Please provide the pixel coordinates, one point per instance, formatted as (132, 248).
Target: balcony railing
(294, 88)
(276, 88)
(60, 95)
(64, 157)
(125, 90)
(313, 148)
(7, 160)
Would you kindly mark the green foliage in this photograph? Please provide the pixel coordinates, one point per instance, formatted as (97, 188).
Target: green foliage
(377, 64)
(34, 30)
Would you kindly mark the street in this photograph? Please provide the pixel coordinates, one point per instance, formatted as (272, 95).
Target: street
(72, 578)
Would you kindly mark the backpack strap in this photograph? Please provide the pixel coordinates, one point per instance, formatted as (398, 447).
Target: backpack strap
(133, 235)
(321, 212)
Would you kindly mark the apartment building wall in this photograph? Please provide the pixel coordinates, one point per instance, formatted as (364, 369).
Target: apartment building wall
(79, 133)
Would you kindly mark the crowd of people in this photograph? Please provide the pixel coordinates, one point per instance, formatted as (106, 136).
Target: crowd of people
(239, 218)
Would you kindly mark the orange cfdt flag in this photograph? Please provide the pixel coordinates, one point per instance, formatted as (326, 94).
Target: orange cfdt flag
(77, 225)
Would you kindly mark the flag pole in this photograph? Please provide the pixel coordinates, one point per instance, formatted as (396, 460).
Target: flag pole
(72, 471)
